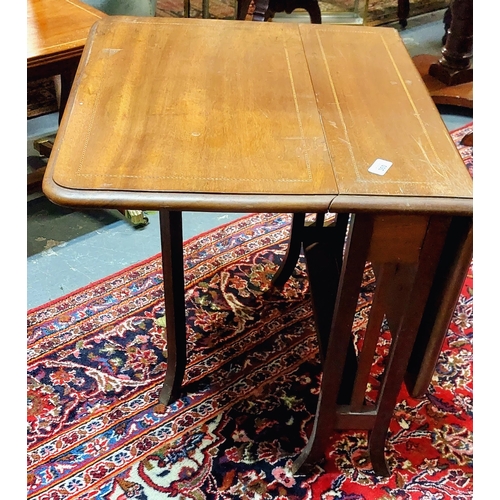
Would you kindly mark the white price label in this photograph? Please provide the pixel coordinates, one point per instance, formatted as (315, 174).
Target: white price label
(380, 167)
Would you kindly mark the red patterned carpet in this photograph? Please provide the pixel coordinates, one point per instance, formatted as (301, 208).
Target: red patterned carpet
(95, 367)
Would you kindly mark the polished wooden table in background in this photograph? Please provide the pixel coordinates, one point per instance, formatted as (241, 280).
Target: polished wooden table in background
(211, 115)
(56, 34)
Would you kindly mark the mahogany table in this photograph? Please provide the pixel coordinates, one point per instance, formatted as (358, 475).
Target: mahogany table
(56, 32)
(211, 115)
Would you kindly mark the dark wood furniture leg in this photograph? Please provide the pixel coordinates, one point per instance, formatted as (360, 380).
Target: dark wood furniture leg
(403, 12)
(175, 310)
(449, 78)
(455, 65)
(265, 9)
(409, 290)
(242, 7)
(323, 247)
(302, 234)
(447, 24)
(67, 78)
(293, 251)
(404, 251)
(340, 335)
(324, 251)
(450, 275)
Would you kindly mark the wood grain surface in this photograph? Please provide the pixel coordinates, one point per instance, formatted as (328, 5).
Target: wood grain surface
(210, 114)
(57, 29)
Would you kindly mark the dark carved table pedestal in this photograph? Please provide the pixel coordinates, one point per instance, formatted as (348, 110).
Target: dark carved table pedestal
(449, 78)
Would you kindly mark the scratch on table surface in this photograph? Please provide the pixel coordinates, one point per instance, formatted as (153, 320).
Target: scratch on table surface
(344, 140)
(427, 159)
(111, 52)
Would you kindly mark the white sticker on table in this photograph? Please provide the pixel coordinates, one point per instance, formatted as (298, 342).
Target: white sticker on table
(380, 167)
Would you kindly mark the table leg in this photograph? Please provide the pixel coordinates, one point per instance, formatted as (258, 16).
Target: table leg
(340, 336)
(175, 310)
(450, 275)
(310, 234)
(405, 252)
(292, 251)
(323, 250)
(67, 78)
(455, 65)
(407, 300)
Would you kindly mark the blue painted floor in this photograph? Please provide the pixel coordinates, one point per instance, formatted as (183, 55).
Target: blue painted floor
(68, 249)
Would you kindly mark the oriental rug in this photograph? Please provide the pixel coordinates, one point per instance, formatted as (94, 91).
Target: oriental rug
(96, 365)
(42, 97)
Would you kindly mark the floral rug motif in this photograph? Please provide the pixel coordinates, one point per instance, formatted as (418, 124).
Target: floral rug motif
(96, 365)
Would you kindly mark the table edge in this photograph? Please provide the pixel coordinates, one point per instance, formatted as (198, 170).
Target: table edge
(251, 202)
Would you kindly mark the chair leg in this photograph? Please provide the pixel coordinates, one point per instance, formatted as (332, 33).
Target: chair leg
(267, 8)
(314, 11)
(242, 9)
(403, 12)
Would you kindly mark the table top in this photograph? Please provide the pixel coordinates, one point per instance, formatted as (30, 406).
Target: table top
(211, 115)
(57, 28)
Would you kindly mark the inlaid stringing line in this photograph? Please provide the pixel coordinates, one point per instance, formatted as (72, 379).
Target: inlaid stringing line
(415, 110)
(73, 42)
(81, 7)
(334, 92)
(416, 113)
(84, 8)
(189, 177)
(297, 110)
(91, 122)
